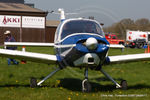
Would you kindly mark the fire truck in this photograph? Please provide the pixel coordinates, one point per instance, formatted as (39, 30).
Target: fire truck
(113, 39)
(137, 38)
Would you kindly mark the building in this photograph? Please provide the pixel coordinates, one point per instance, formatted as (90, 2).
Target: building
(17, 1)
(12, 1)
(27, 24)
(51, 26)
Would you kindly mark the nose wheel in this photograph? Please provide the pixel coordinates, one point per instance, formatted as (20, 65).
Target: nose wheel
(86, 86)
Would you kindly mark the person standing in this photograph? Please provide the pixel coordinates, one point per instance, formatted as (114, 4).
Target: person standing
(10, 38)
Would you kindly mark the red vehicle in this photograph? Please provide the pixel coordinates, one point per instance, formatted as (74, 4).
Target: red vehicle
(113, 39)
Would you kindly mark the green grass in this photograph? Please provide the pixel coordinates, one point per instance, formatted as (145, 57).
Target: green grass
(66, 84)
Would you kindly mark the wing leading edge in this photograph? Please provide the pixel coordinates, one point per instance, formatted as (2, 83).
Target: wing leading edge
(29, 56)
(117, 46)
(29, 44)
(132, 57)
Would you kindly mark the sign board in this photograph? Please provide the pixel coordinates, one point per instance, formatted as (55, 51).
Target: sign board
(10, 21)
(33, 22)
(27, 21)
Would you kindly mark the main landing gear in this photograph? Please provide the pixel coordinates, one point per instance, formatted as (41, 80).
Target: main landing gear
(123, 84)
(86, 87)
(33, 81)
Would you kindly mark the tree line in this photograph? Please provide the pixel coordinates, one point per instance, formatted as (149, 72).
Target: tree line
(120, 27)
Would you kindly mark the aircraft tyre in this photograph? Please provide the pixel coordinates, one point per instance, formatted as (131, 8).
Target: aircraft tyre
(33, 82)
(86, 86)
(124, 85)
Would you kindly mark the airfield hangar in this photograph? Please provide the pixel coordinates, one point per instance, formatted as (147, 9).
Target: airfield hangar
(26, 23)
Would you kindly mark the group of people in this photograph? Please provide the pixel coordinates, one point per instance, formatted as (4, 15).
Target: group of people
(10, 38)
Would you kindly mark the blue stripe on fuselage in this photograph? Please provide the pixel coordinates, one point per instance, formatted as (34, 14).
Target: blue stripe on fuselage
(75, 38)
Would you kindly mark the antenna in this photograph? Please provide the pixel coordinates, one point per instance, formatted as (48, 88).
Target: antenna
(62, 14)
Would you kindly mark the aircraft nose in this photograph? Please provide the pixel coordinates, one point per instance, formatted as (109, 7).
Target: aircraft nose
(91, 43)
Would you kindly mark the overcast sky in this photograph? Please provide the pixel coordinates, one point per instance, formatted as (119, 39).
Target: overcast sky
(105, 11)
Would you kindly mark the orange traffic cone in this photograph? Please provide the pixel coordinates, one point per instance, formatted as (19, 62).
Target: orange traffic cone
(148, 48)
(23, 50)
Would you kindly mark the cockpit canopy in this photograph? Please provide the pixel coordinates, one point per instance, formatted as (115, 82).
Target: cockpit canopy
(81, 26)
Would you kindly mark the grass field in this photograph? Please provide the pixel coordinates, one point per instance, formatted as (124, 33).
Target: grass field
(66, 84)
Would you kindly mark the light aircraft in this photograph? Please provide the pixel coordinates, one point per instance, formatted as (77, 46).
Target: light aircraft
(78, 43)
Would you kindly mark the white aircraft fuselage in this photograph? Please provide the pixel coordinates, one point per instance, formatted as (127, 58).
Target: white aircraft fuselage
(80, 43)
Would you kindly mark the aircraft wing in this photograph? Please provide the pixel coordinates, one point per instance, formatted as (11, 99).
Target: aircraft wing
(28, 44)
(29, 56)
(132, 57)
(49, 44)
(117, 46)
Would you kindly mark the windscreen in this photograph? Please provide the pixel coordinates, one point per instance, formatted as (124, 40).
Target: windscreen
(81, 26)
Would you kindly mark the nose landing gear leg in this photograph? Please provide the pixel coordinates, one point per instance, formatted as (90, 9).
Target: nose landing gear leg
(86, 87)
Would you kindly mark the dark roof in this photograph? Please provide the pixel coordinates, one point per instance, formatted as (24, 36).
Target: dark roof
(18, 7)
(52, 23)
(12, 1)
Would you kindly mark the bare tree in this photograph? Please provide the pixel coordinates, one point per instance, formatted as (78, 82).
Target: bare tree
(120, 27)
(142, 22)
(127, 22)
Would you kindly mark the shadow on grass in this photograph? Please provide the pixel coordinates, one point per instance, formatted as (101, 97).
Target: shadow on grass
(139, 86)
(76, 85)
(106, 79)
(14, 85)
